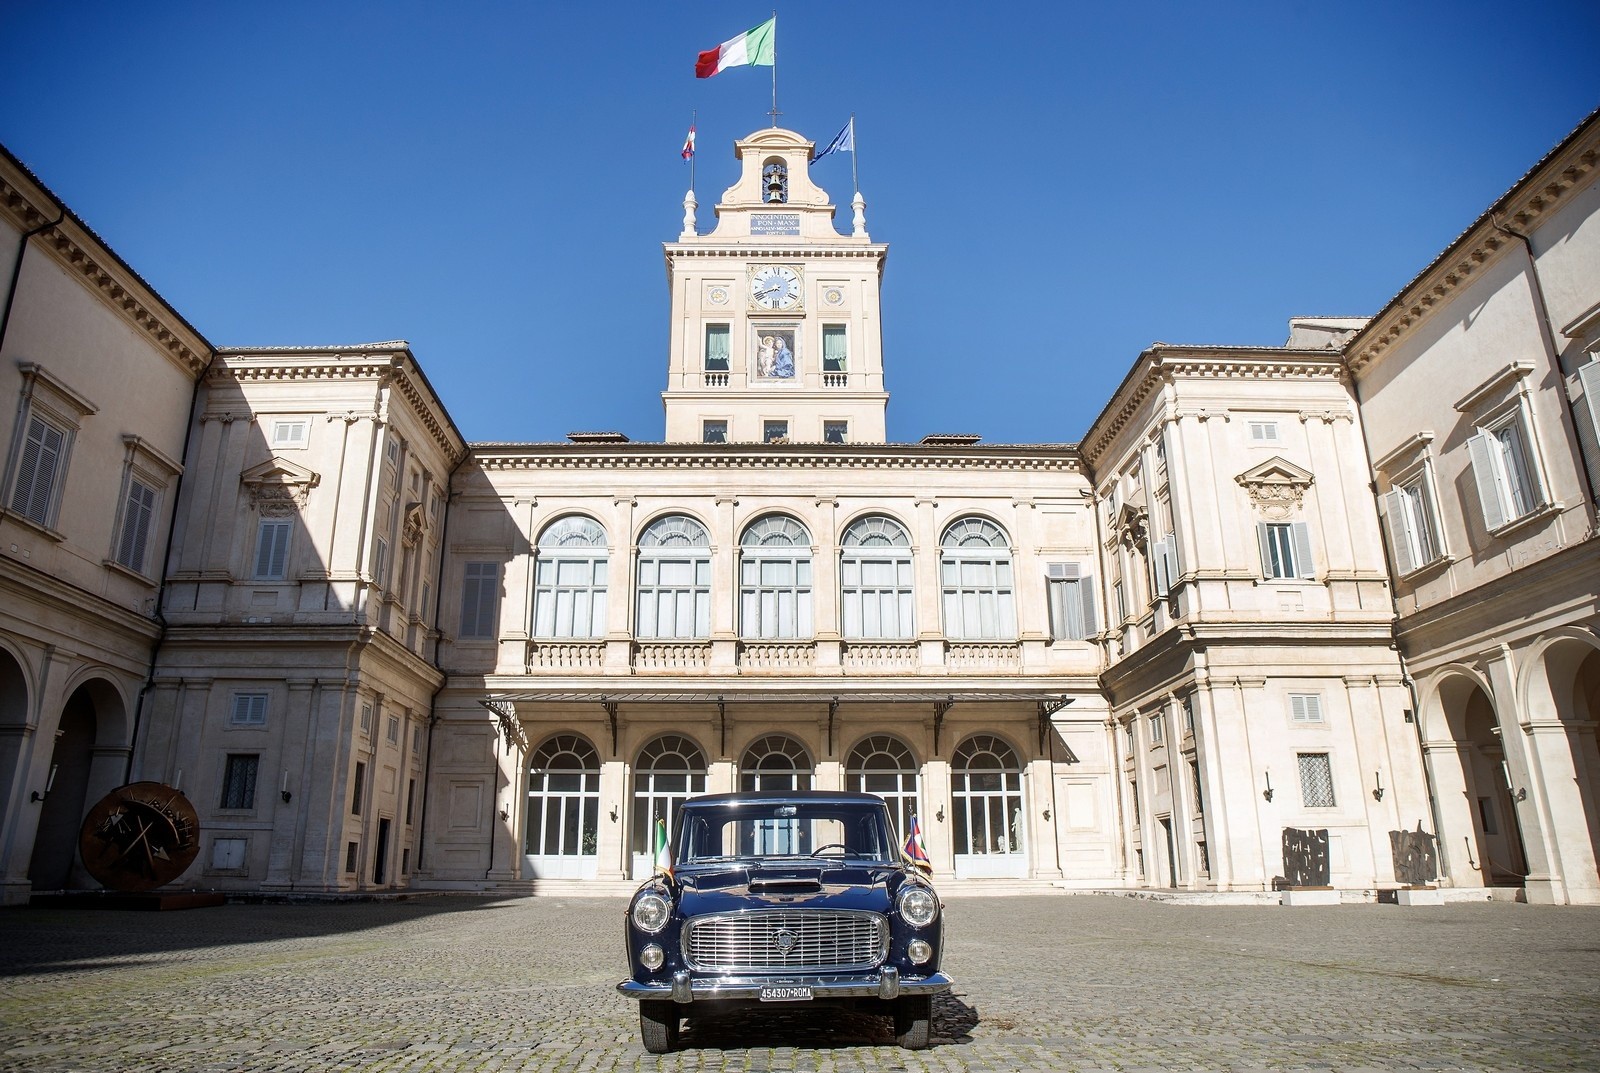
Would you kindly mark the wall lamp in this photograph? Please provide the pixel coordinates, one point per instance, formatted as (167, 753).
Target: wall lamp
(1267, 793)
(49, 784)
(613, 814)
(505, 812)
(939, 815)
(1377, 786)
(1047, 814)
(283, 790)
(1522, 793)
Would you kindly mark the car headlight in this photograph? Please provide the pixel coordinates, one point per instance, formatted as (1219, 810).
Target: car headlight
(918, 906)
(651, 912)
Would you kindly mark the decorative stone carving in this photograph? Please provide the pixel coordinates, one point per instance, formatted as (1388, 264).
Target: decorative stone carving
(1277, 487)
(411, 524)
(278, 487)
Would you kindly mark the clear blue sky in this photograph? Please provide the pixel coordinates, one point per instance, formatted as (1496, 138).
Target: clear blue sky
(1060, 184)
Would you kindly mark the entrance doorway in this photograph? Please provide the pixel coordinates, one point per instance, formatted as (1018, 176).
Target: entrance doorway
(55, 844)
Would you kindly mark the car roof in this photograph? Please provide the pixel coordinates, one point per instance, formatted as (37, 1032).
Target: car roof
(837, 797)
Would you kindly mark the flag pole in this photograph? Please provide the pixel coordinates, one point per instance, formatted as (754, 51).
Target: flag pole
(774, 68)
(855, 154)
(694, 121)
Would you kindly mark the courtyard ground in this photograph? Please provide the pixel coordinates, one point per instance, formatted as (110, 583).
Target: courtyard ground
(1043, 983)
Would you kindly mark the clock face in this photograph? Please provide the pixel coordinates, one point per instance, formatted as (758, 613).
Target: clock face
(775, 287)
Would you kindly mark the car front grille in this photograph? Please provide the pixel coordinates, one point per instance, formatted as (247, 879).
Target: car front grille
(776, 940)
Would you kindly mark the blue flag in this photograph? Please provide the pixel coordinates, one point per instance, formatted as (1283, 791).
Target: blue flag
(843, 142)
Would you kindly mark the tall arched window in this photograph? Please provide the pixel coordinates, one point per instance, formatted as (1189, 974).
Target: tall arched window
(674, 579)
(883, 765)
(775, 579)
(569, 596)
(975, 575)
(875, 580)
(775, 762)
(986, 797)
(670, 769)
(563, 808)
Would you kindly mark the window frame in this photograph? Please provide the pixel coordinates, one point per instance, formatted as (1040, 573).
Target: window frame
(249, 709)
(1070, 597)
(689, 545)
(1326, 759)
(706, 429)
(1505, 468)
(1305, 709)
(839, 331)
(286, 443)
(705, 347)
(240, 796)
(776, 611)
(1295, 548)
(999, 595)
(891, 548)
(55, 405)
(771, 425)
(571, 540)
(264, 559)
(483, 623)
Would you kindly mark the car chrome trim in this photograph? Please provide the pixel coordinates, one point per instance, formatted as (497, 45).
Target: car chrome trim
(868, 985)
(786, 940)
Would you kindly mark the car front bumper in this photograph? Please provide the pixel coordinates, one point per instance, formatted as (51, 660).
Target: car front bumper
(884, 983)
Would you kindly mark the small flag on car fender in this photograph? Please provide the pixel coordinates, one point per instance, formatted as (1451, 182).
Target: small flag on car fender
(914, 851)
(663, 850)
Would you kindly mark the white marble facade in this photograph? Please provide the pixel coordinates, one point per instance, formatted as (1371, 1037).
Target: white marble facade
(1317, 589)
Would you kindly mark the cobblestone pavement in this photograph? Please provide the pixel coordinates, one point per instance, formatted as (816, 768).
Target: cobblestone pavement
(446, 984)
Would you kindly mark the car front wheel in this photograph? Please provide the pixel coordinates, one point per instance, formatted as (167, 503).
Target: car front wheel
(658, 1026)
(913, 1021)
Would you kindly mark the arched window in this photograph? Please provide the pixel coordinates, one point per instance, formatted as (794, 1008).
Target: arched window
(975, 576)
(569, 596)
(775, 762)
(883, 765)
(674, 579)
(875, 580)
(671, 768)
(775, 579)
(986, 796)
(563, 808)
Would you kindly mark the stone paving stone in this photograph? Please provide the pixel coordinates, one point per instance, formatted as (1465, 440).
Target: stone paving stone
(445, 985)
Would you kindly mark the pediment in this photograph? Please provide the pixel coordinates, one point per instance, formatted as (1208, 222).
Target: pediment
(279, 486)
(1277, 487)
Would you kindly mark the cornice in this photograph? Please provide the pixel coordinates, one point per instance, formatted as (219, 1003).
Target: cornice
(1525, 206)
(1163, 364)
(77, 249)
(809, 252)
(633, 456)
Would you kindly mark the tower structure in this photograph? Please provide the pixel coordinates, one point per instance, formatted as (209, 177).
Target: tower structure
(775, 314)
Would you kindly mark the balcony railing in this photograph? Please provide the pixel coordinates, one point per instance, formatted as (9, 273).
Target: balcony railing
(983, 657)
(882, 657)
(835, 379)
(716, 379)
(672, 656)
(566, 657)
(777, 655)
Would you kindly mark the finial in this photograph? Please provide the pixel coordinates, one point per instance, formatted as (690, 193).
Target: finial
(689, 205)
(859, 224)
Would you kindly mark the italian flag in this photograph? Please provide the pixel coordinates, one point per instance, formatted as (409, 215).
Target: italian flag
(663, 851)
(757, 46)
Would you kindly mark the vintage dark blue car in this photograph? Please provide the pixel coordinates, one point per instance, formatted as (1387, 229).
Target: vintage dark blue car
(786, 897)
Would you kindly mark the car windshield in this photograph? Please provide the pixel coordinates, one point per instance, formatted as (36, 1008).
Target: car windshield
(821, 829)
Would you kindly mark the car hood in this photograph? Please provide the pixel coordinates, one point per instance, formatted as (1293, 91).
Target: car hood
(726, 888)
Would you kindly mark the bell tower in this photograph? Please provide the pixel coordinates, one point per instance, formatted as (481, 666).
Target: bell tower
(775, 314)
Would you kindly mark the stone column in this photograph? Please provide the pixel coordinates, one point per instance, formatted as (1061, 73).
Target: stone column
(1447, 763)
(616, 818)
(620, 586)
(1037, 790)
(1557, 800)
(724, 588)
(925, 573)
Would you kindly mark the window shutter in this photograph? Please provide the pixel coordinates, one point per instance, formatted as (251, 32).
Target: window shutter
(1589, 421)
(1264, 539)
(1482, 450)
(1061, 571)
(1091, 625)
(272, 551)
(1302, 550)
(36, 477)
(1158, 567)
(1393, 508)
(135, 526)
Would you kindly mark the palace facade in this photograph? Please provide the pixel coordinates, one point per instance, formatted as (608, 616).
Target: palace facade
(1320, 614)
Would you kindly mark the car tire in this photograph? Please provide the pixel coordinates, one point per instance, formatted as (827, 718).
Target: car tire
(658, 1026)
(913, 1021)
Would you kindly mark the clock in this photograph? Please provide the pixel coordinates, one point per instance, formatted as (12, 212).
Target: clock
(774, 287)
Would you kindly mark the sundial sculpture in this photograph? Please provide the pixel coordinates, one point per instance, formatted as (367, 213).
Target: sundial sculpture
(139, 837)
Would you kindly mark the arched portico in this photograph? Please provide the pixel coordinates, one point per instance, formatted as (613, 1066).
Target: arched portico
(1465, 755)
(1560, 690)
(88, 758)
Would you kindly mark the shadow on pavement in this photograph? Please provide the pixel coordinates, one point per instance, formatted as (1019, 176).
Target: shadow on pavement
(52, 940)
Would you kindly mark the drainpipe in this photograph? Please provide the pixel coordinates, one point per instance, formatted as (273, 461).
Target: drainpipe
(16, 270)
(1547, 330)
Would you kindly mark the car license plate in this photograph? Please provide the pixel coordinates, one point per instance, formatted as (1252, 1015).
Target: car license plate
(785, 993)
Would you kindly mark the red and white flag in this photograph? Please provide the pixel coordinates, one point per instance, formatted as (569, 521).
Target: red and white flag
(688, 144)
